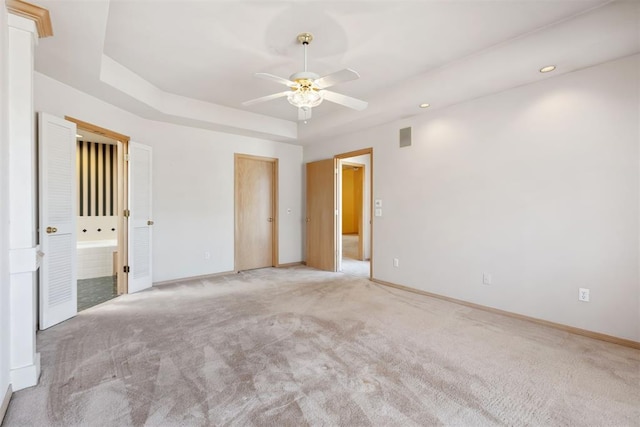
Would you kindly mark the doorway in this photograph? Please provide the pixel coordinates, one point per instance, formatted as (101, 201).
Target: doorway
(100, 227)
(256, 222)
(97, 218)
(109, 193)
(354, 214)
(324, 239)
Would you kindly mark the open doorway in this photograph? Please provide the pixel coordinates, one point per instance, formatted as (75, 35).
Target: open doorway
(100, 205)
(354, 213)
(59, 209)
(324, 239)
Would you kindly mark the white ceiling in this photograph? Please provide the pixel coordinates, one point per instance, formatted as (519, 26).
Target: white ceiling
(192, 62)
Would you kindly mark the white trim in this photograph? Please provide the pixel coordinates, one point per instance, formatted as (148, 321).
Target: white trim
(5, 403)
(26, 376)
(24, 24)
(206, 276)
(23, 260)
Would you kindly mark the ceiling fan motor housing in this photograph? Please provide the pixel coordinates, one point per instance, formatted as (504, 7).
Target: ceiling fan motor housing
(304, 75)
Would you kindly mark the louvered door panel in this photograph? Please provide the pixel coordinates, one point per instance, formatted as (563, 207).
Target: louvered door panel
(59, 265)
(140, 220)
(140, 253)
(57, 199)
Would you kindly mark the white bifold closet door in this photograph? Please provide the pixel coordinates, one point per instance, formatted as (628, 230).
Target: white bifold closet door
(140, 219)
(57, 220)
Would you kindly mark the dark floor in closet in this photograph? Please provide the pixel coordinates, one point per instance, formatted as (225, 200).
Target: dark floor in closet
(96, 291)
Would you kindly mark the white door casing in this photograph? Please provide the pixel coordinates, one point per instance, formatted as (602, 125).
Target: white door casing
(140, 219)
(57, 219)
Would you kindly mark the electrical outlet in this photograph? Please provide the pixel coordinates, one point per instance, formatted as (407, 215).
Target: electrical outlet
(583, 294)
(396, 262)
(486, 278)
(207, 255)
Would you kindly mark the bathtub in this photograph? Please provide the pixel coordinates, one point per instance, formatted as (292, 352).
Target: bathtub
(95, 258)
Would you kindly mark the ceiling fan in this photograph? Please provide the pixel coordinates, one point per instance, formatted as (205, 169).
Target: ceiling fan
(308, 89)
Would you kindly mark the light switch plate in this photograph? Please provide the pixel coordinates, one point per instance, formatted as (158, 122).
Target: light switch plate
(583, 294)
(486, 278)
(378, 212)
(378, 203)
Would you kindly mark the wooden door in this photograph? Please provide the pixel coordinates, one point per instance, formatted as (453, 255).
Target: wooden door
(255, 213)
(321, 215)
(140, 219)
(57, 229)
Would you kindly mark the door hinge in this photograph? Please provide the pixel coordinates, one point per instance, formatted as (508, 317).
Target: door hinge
(126, 269)
(126, 157)
(126, 213)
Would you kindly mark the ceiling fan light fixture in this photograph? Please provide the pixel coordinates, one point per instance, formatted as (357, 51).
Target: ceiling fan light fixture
(304, 98)
(305, 95)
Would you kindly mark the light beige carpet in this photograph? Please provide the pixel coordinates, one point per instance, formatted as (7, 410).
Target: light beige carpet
(350, 246)
(356, 268)
(297, 347)
(350, 263)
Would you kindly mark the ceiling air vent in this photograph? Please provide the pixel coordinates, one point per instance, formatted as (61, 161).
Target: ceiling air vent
(405, 137)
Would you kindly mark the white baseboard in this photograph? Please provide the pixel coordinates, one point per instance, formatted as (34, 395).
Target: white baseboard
(571, 329)
(184, 279)
(5, 403)
(26, 376)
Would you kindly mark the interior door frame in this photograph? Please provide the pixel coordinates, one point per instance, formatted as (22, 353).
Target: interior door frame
(338, 158)
(123, 199)
(275, 258)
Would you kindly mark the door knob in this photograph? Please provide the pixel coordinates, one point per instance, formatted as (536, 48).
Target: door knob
(270, 219)
(51, 230)
(149, 222)
(308, 219)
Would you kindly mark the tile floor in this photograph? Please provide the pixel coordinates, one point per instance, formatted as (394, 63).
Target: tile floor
(96, 291)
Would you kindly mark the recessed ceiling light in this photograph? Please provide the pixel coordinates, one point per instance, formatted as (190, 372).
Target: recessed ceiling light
(425, 105)
(547, 69)
(78, 135)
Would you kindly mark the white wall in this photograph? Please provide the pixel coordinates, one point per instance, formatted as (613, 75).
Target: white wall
(4, 211)
(538, 186)
(193, 183)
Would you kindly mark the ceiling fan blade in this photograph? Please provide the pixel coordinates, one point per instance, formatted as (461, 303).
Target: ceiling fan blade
(277, 79)
(266, 98)
(337, 77)
(345, 100)
(304, 114)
